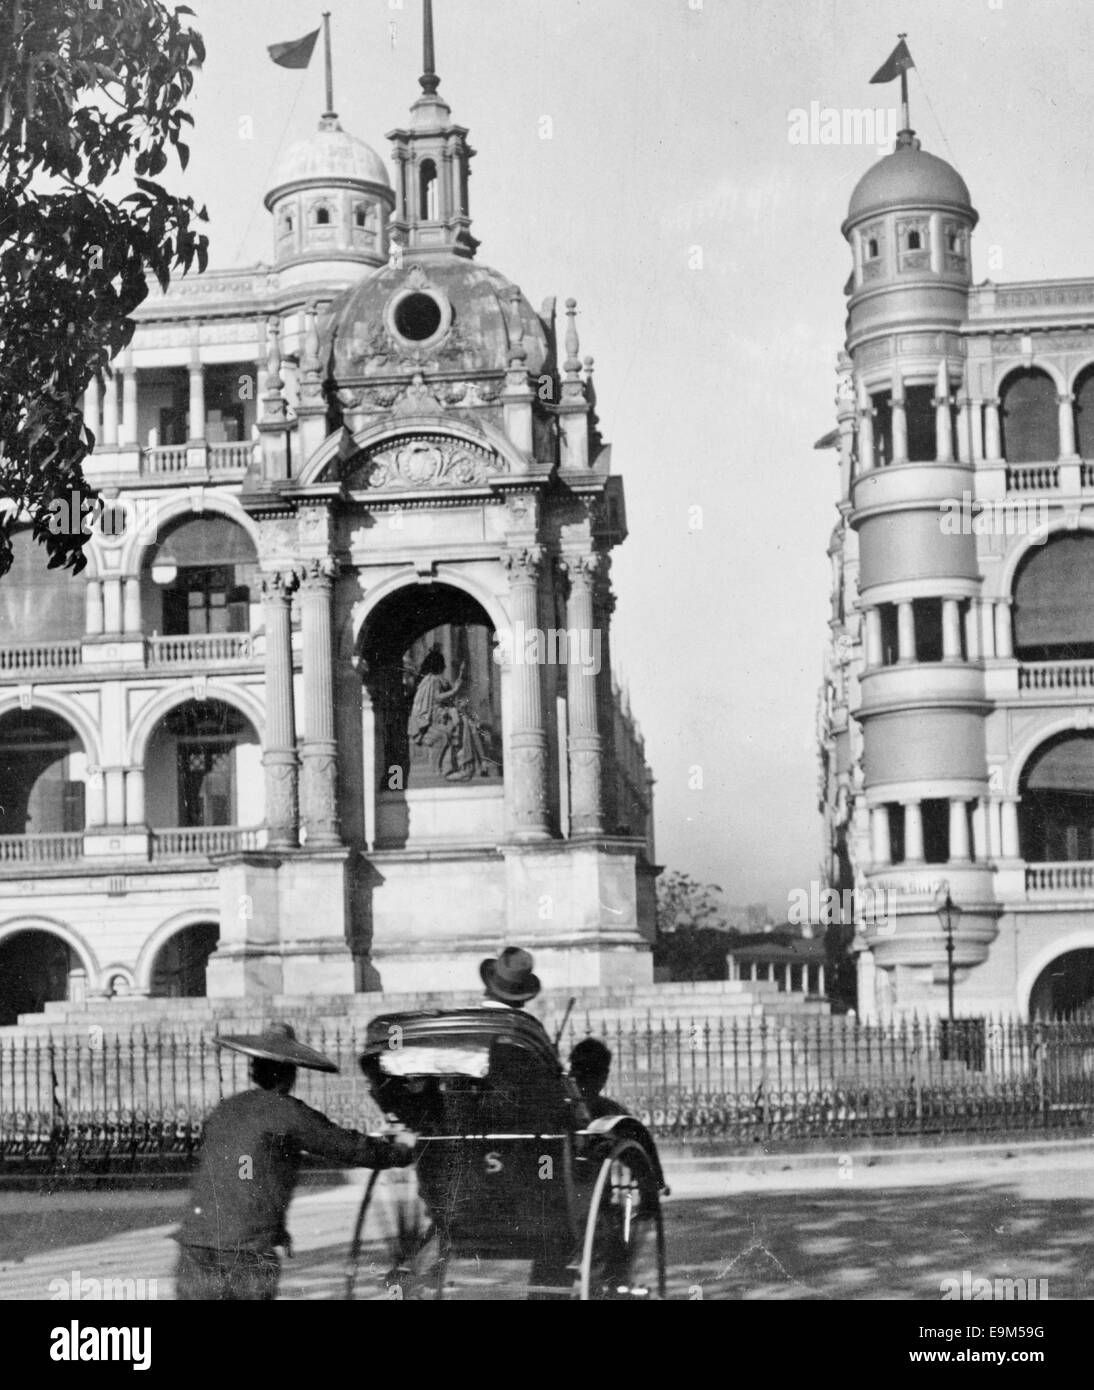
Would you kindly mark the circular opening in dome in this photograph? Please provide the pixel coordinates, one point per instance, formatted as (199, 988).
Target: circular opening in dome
(417, 317)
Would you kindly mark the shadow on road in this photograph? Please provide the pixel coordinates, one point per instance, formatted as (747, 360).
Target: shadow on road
(898, 1243)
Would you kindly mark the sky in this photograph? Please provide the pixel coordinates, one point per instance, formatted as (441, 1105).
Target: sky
(636, 154)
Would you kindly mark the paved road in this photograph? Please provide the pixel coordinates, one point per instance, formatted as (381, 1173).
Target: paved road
(841, 1230)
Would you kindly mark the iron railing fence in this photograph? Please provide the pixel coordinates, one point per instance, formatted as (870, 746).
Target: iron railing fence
(112, 1101)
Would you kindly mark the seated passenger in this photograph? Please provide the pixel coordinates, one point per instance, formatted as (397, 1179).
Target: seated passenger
(590, 1064)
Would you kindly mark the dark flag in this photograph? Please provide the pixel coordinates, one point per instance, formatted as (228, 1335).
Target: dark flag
(900, 60)
(296, 54)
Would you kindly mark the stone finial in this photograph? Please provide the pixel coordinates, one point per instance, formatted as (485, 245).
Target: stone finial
(572, 365)
(273, 401)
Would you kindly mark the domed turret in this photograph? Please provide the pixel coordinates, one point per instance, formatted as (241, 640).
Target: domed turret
(909, 223)
(454, 314)
(330, 200)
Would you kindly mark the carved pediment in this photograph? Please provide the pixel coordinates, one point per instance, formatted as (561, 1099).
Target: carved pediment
(424, 461)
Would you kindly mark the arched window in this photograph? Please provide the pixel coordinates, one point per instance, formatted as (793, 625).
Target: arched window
(1053, 616)
(873, 250)
(1084, 413)
(200, 578)
(203, 769)
(1029, 417)
(360, 216)
(913, 241)
(1056, 812)
(42, 772)
(427, 191)
(322, 217)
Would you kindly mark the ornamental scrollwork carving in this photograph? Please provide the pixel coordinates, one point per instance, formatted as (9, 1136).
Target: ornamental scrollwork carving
(427, 462)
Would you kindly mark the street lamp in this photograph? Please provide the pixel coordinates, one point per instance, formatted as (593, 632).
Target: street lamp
(948, 915)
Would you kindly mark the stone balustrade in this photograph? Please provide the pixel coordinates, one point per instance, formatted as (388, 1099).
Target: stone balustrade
(1063, 676)
(220, 646)
(41, 849)
(1055, 878)
(41, 656)
(206, 839)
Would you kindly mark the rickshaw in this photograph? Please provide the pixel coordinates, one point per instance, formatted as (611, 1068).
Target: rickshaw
(509, 1167)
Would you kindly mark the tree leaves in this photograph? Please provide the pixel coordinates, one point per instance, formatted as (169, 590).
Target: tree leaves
(85, 93)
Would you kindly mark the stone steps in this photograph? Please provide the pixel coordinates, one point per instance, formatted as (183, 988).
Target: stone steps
(598, 1009)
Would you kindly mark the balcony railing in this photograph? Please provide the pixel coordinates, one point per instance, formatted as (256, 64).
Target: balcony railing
(215, 839)
(41, 849)
(165, 458)
(221, 646)
(1033, 477)
(229, 458)
(42, 656)
(1063, 676)
(1077, 876)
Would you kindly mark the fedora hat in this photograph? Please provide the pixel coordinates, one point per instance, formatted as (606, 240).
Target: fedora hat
(509, 976)
(277, 1043)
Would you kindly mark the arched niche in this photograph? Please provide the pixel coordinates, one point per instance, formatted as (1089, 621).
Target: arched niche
(426, 655)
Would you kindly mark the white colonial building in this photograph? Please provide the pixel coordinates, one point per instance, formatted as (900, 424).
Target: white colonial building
(958, 714)
(331, 707)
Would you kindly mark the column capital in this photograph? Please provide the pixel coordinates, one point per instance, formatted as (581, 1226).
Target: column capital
(318, 574)
(580, 568)
(524, 563)
(281, 584)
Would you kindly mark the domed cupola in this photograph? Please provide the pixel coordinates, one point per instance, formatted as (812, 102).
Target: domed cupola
(909, 223)
(331, 200)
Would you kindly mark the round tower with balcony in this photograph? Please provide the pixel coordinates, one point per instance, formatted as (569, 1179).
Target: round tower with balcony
(924, 772)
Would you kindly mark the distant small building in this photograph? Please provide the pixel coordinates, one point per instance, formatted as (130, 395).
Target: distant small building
(785, 955)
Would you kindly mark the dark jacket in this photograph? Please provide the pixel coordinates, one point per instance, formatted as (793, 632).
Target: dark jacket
(250, 1158)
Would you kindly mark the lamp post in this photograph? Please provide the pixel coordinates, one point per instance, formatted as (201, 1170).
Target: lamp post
(948, 913)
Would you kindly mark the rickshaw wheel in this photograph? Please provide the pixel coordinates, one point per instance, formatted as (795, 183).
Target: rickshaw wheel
(396, 1252)
(623, 1256)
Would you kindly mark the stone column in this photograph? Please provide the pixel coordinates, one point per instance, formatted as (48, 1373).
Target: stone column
(197, 402)
(603, 608)
(993, 445)
(134, 796)
(112, 604)
(92, 406)
(879, 834)
(129, 406)
(1067, 426)
(1011, 845)
(583, 742)
(110, 412)
(972, 629)
(913, 833)
(527, 765)
(873, 638)
(995, 829)
(943, 418)
(905, 632)
(987, 627)
(94, 608)
(951, 630)
(279, 755)
(959, 831)
(866, 429)
(979, 850)
(319, 764)
(899, 420)
(976, 421)
(131, 621)
(1004, 648)
(95, 798)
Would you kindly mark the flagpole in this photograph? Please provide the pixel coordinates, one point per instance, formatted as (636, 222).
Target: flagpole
(905, 121)
(326, 50)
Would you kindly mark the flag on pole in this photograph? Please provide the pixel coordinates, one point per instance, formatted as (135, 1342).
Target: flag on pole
(296, 54)
(899, 61)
